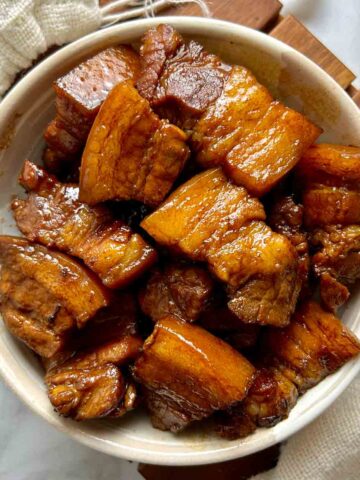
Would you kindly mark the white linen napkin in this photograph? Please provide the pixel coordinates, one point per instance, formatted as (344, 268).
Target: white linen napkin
(328, 448)
(29, 27)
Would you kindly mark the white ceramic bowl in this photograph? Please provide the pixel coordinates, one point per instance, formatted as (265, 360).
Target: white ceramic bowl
(23, 115)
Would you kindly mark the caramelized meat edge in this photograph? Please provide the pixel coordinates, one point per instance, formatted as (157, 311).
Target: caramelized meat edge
(53, 215)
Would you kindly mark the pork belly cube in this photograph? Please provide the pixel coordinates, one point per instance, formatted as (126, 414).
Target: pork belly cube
(179, 80)
(336, 262)
(314, 345)
(328, 164)
(73, 286)
(286, 217)
(212, 220)
(193, 372)
(89, 384)
(269, 296)
(327, 205)
(257, 140)
(53, 216)
(200, 212)
(179, 290)
(81, 91)
(130, 153)
(270, 399)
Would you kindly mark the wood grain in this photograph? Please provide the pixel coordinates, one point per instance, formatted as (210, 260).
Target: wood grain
(354, 94)
(252, 13)
(293, 32)
(239, 469)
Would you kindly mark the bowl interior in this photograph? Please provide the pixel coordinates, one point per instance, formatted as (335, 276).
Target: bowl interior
(23, 116)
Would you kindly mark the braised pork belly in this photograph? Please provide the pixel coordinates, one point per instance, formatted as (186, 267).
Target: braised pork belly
(179, 80)
(53, 215)
(209, 219)
(190, 371)
(151, 272)
(130, 153)
(233, 119)
(296, 358)
(329, 176)
(79, 95)
(45, 294)
(180, 290)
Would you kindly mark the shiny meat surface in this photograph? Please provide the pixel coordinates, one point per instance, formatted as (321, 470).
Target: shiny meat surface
(37, 333)
(90, 384)
(201, 213)
(72, 285)
(327, 164)
(179, 290)
(314, 345)
(329, 176)
(81, 91)
(32, 313)
(130, 153)
(296, 358)
(336, 262)
(193, 372)
(255, 139)
(286, 217)
(327, 205)
(270, 399)
(210, 219)
(53, 216)
(180, 80)
(84, 380)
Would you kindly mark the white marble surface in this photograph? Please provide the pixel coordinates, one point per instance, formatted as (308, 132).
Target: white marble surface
(32, 450)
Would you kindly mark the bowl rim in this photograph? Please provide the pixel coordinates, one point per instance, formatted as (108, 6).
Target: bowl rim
(205, 25)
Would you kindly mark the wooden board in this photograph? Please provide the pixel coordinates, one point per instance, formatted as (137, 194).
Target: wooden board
(239, 469)
(293, 32)
(252, 13)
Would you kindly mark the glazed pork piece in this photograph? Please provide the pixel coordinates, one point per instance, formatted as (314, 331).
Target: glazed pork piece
(179, 290)
(233, 119)
(314, 345)
(270, 399)
(330, 179)
(328, 164)
(90, 384)
(297, 357)
(286, 217)
(84, 380)
(336, 262)
(53, 216)
(209, 219)
(45, 294)
(79, 95)
(180, 81)
(130, 153)
(256, 139)
(189, 374)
